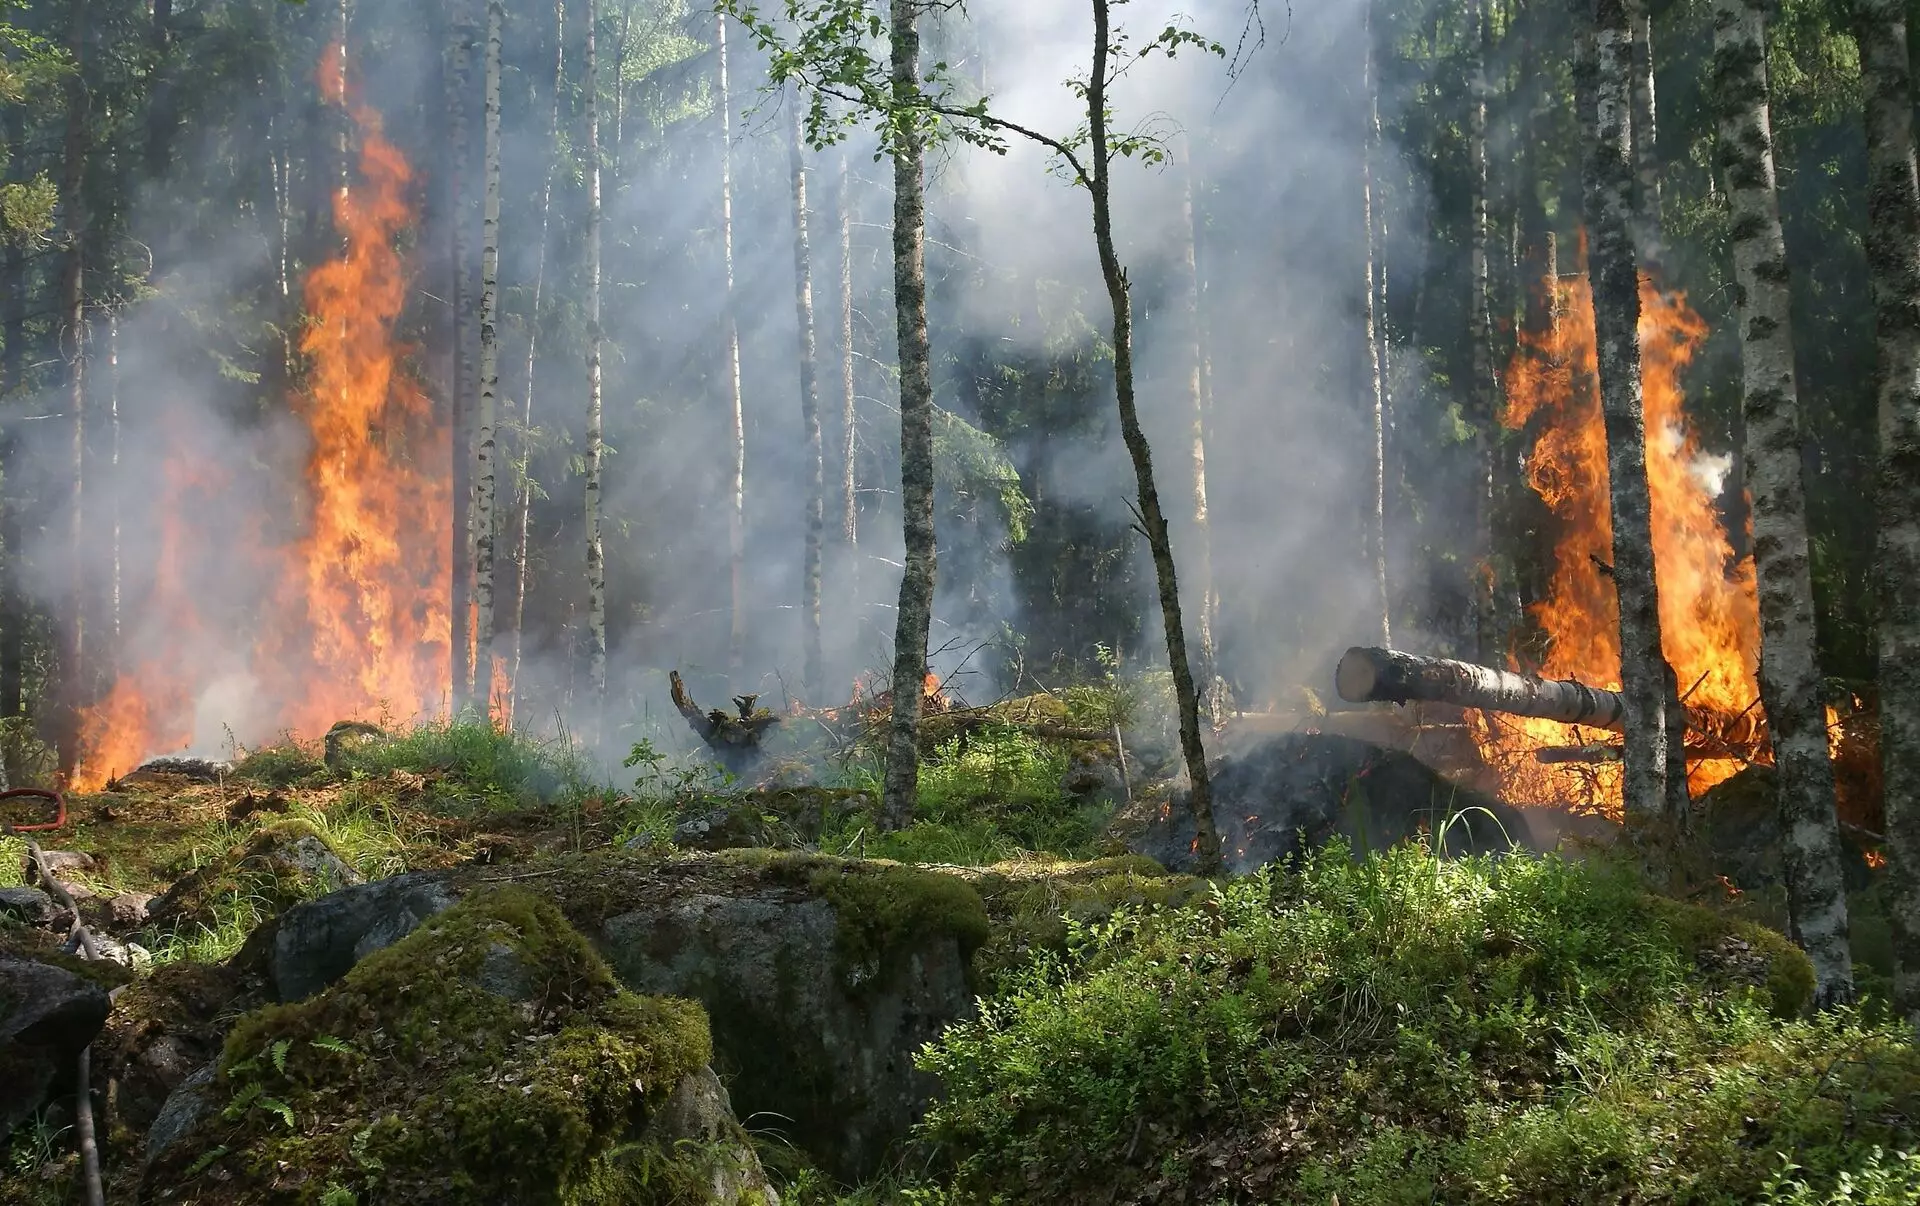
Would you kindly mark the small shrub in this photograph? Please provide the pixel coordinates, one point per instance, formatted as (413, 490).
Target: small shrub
(470, 762)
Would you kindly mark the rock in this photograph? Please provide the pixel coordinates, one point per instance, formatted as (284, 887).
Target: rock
(48, 1016)
(29, 906)
(279, 866)
(568, 1080)
(1095, 776)
(129, 909)
(1737, 829)
(319, 941)
(735, 826)
(164, 1025)
(699, 1113)
(182, 1111)
(59, 861)
(126, 954)
(1296, 791)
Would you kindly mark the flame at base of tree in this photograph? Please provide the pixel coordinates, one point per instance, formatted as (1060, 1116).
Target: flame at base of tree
(1709, 609)
(357, 625)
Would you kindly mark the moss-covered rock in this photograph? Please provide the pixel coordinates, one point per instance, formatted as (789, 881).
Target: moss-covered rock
(278, 866)
(1031, 904)
(489, 1057)
(1732, 951)
(163, 1027)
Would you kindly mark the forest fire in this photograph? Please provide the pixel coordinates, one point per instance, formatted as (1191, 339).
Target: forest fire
(1708, 607)
(357, 621)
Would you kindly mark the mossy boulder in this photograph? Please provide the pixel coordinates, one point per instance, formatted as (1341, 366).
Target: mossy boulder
(1737, 834)
(1031, 905)
(163, 1027)
(1286, 794)
(1732, 952)
(489, 1057)
(278, 866)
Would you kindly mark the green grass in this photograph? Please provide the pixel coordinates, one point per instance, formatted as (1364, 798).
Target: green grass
(1409, 1030)
(473, 764)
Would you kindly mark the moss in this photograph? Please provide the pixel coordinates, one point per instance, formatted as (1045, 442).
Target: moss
(1031, 908)
(281, 766)
(881, 908)
(1734, 950)
(489, 1056)
(42, 947)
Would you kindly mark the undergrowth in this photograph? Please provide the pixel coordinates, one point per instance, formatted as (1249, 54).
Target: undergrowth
(1408, 1030)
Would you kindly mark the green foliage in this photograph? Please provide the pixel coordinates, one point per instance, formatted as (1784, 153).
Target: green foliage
(1521, 1030)
(283, 764)
(472, 764)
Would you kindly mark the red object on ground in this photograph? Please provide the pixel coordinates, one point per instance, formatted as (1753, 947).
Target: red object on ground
(39, 793)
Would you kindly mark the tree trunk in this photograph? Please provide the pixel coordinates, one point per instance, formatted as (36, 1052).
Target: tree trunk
(736, 417)
(596, 557)
(1195, 355)
(1380, 605)
(484, 492)
(849, 486)
(161, 117)
(1789, 666)
(1207, 837)
(461, 393)
(13, 360)
(1646, 154)
(915, 615)
(812, 676)
(73, 349)
(113, 497)
(1603, 93)
(523, 502)
(1893, 259)
(1485, 405)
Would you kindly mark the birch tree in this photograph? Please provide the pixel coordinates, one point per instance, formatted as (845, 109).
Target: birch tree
(1480, 334)
(1646, 155)
(484, 488)
(736, 417)
(1604, 103)
(460, 298)
(1789, 668)
(1194, 381)
(1376, 541)
(849, 496)
(812, 675)
(1893, 260)
(596, 557)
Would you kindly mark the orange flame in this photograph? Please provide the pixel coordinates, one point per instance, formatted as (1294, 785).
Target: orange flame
(1709, 612)
(358, 624)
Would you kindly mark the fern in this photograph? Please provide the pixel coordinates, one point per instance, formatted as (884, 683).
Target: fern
(279, 1051)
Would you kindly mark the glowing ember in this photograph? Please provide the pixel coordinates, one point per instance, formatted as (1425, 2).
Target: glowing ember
(1709, 613)
(358, 624)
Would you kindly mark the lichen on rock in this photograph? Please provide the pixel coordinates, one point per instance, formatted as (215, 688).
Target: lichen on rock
(488, 1057)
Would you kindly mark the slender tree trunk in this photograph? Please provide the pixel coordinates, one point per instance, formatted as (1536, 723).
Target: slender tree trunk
(461, 298)
(1789, 665)
(1196, 405)
(596, 560)
(1200, 796)
(1487, 637)
(485, 485)
(523, 502)
(813, 676)
(113, 496)
(736, 417)
(1380, 605)
(1893, 259)
(849, 487)
(161, 116)
(73, 349)
(1603, 92)
(915, 616)
(13, 360)
(1646, 154)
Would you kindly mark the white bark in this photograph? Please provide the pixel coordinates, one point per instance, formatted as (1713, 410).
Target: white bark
(736, 419)
(484, 457)
(1376, 534)
(1789, 668)
(816, 501)
(596, 563)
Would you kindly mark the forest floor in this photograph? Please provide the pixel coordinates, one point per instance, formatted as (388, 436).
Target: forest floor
(1393, 1029)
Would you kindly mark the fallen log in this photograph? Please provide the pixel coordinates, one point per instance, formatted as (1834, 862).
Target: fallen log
(735, 737)
(1371, 675)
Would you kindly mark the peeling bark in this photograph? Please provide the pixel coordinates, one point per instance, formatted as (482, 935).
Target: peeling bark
(484, 456)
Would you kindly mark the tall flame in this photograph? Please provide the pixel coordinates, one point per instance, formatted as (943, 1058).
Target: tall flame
(1709, 611)
(358, 623)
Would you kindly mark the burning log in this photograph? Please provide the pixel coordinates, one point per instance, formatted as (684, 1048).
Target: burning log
(735, 737)
(1367, 675)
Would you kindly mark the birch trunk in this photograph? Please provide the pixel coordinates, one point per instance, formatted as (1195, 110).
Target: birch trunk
(812, 676)
(461, 300)
(1789, 667)
(849, 492)
(1602, 88)
(523, 501)
(1893, 259)
(71, 304)
(596, 563)
(915, 615)
(484, 484)
(113, 496)
(1153, 520)
(1487, 637)
(1195, 355)
(736, 418)
(1376, 542)
(1646, 154)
